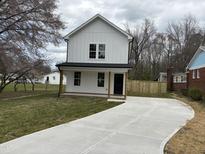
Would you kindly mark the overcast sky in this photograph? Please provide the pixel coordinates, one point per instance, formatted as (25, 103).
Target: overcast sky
(121, 12)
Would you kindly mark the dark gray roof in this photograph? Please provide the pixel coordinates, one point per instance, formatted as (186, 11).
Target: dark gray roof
(96, 65)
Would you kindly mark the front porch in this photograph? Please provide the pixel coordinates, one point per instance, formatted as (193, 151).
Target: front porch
(94, 81)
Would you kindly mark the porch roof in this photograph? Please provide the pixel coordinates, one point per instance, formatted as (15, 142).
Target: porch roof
(94, 65)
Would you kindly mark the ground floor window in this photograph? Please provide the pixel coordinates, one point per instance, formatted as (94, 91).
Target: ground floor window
(77, 77)
(193, 74)
(101, 79)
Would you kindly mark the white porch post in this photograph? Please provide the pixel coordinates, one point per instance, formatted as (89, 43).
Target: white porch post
(61, 83)
(109, 74)
(126, 78)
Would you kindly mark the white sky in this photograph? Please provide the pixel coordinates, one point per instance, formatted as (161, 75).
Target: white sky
(121, 12)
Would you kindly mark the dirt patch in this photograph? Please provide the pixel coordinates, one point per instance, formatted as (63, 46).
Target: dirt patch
(191, 138)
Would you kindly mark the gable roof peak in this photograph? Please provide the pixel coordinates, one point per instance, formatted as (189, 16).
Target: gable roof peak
(199, 50)
(92, 19)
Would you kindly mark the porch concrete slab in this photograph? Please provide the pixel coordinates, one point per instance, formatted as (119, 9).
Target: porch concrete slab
(139, 126)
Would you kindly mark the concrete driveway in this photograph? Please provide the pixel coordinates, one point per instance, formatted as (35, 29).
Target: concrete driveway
(139, 126)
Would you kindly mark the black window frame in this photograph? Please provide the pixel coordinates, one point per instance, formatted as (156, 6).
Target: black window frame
(101, 79)
(101, 51)
(92, 51)
(77, 78)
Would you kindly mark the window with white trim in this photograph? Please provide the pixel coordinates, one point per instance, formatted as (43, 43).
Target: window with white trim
(92, 53)
(101, 51)
(77, 78)
(197, 74)
(177, 80)
(193, 74)
(101, 79)
(183, 78)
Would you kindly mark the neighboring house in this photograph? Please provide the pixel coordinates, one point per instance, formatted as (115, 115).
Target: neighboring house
(162, 77)
(179, 78)
(52, 78)
(196, 70)
(179, 81)
(175, 81)
(97, 59)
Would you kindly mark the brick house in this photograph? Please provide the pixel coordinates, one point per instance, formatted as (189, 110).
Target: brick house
(196, 70)
(176, 81)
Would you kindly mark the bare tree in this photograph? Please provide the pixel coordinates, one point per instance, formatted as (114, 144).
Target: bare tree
(29, 24)
(40, 67)
(141, 35)
(19, 67)
(185, 36)
(26, 27)
(156, 51)
(153, 52)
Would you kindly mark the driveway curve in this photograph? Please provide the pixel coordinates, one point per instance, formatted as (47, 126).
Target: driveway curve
(139, 126)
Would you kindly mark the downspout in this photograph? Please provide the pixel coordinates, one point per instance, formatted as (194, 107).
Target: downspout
(66, 40)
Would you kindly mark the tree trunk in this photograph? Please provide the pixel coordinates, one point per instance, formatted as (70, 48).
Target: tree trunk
(15, 87)
(46, 86)
(32, 85)
(1, 89)
(24, 84)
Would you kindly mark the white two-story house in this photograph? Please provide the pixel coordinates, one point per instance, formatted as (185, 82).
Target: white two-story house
(97, 59)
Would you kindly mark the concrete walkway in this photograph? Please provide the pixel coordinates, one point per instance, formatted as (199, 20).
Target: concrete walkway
(139, 126)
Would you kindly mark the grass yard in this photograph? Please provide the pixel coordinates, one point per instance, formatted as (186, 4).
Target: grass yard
(23, 116)
(9, 93)
(38, 87)
(191, 138)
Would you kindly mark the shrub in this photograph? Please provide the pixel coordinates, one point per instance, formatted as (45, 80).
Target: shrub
(195, 94)
(184, 92)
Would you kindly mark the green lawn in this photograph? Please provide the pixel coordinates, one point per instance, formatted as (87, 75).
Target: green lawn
(9, 92)
(23, 116)
(38, 87)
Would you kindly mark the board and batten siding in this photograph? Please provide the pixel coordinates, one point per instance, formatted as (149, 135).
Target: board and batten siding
(98, 32)
(89, 83)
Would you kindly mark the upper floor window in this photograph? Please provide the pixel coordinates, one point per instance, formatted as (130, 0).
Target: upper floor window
(92, 53)
(197, 74)
(97, 51)
(77, 78)
(54, 77)
(193, 74)
(101, 51)
(101, 78)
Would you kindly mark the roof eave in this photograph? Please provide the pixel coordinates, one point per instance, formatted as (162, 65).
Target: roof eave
(84, 65)
(93, 18)
(196, 53)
